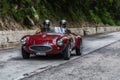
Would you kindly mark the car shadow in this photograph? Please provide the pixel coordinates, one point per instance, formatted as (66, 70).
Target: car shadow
(45, 58)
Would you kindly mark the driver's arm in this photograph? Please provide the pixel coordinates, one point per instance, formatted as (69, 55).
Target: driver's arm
(38, 31)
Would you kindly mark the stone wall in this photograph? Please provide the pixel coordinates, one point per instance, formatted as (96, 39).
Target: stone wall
(94, 30)
(11, 39)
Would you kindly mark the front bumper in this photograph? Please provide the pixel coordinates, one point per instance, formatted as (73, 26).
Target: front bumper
(44, 49)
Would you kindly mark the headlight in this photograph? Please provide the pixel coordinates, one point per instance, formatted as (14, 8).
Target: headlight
(23, 41)
(60, 42)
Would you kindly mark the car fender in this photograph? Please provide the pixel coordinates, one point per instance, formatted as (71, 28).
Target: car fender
(78, 41)
(27, 38)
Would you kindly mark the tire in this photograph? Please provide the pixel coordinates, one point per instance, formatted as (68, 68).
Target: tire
(67, 52)
(25, 54)
(79, 50)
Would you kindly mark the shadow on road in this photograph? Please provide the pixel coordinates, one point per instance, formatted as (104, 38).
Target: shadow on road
(45, 58)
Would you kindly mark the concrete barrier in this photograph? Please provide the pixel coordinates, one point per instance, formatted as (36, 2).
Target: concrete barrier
(100, 30)
(11, 39)
(89, 31)
(79, 31)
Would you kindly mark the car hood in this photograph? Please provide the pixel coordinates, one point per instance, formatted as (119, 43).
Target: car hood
(43, 38)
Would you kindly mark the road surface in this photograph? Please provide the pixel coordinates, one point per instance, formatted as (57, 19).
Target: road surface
(13, 67)
(103, 64)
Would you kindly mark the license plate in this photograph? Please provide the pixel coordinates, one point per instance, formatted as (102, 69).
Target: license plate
(40, 53)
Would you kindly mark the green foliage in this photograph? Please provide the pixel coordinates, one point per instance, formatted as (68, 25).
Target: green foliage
(106, 18)
(118, 23)
(106, 11)
(95, 17)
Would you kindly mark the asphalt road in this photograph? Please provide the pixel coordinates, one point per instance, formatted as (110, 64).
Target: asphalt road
(103, 64)
(13, 67)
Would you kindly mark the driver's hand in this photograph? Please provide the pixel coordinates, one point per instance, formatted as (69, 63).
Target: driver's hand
(38, 31)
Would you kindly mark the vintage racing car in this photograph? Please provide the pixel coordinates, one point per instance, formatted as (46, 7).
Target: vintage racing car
(51, 43)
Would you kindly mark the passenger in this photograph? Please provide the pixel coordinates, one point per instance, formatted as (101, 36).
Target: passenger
(62, 28)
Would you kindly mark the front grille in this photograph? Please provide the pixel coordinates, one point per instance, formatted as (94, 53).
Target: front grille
(40, 48)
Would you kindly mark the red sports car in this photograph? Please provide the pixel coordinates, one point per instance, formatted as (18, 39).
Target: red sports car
(51, 43)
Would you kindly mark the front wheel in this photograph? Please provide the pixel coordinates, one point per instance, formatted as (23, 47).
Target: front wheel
(67, 52)
(79, 50)
(25, 54)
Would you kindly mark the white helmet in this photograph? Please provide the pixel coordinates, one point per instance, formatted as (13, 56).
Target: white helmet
(46, 22)
(63, 22)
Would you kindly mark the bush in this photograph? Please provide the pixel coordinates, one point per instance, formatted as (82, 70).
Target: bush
(106, 18)
(95, 17)
(106, 11)
(118, 23)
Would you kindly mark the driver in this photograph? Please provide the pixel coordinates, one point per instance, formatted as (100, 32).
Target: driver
(45, 28)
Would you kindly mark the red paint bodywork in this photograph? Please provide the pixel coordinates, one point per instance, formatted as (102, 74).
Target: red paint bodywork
(51, 40)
